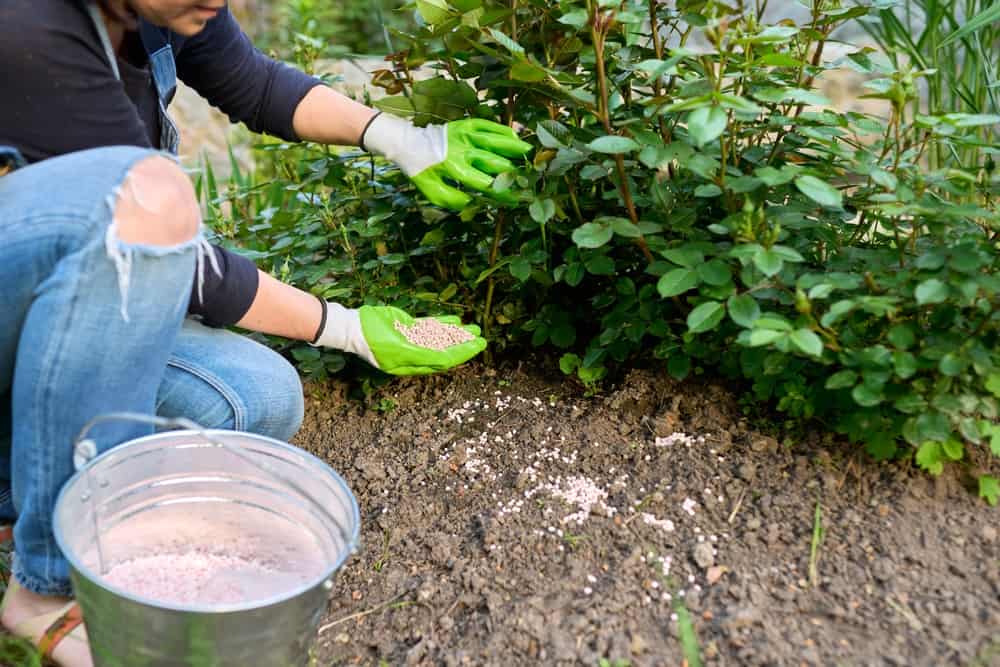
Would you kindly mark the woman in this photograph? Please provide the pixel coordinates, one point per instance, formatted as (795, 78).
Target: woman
(112, 300)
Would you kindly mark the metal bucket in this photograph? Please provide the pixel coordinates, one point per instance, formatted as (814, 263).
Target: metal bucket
(161, 492)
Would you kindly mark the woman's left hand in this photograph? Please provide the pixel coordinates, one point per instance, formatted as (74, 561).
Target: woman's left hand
(469, 152)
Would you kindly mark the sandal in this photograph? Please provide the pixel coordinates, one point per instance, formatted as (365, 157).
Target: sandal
(51, 631)
(6, 533)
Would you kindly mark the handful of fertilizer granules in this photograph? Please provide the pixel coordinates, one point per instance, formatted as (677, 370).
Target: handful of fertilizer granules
(433, 334)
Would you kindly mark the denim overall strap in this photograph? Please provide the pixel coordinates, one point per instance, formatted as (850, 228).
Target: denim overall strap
(164, 72)
(165, 75)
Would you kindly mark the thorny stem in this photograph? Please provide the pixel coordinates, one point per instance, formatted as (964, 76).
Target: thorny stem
(490, 285)
(498, 227)
(572, 197)
(654, 28)
(597, 35)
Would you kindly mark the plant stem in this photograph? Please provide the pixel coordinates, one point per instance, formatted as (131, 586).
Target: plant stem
(498, 227)
(490, 285)
(597, 36)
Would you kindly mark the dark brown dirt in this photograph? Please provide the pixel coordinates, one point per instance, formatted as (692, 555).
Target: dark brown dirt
(468, 556)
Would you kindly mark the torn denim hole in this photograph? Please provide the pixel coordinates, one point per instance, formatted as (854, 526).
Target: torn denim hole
(122, 253)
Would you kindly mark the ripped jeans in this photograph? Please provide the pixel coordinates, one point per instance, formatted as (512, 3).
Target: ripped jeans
(90, 325)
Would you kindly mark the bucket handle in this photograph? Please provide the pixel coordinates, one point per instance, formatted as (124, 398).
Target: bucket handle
(85, 449)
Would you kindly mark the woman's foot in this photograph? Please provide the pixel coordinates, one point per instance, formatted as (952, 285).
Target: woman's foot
(51, 623)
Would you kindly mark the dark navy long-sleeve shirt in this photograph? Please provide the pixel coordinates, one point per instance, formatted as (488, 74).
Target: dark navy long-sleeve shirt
(58, 94)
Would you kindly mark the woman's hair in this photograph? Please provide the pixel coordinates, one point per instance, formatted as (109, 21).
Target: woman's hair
(125, 17)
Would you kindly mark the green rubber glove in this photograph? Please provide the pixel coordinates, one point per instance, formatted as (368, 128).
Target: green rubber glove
(370, 332)
(467, 152)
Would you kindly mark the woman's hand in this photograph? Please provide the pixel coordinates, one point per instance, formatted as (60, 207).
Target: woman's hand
(392, 340)
(469, 152)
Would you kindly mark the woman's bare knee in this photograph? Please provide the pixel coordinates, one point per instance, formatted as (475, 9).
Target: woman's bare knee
(157, 205)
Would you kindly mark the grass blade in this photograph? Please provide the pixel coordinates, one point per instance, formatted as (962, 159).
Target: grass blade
(983, 18)
(688, 636)
(817, 539)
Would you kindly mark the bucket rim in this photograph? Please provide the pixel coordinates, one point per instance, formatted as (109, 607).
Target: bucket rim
(94, 578)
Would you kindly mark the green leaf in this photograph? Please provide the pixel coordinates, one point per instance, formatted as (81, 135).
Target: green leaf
(972, 119)
(881, 445)
(787, 254)
(992, 384)
(527, 71)
(576, 18)
(542, 210)
(622, 227)
(707, 191)
(592, 235)
(568, 363)
(679, 366)
(808, 342)
(574, 274)
(546, 138)
(994, 434)
(837, 311)
(984, 18)
(905, 364)
(930, 457)
(951, 364)
(706, 316)
(706, 124)
(743, 309)
(775, 177)
(902, 336)
(520, 268)
(931, 291)
(989, 489)
(613, 144)
(819, 191)
(773, 322)
(841, 380)
(928, 425)
(600, 265)
(743, 184)
(398, 105)
(506, 42)
(563, 335)
(953, 449)
(768, 262)
(761, 337)
(685, 256)
(715, 272)
(866, 395)
(677, 282)
(886, 179)
(910, 404)
(433, 11)
(774, 34)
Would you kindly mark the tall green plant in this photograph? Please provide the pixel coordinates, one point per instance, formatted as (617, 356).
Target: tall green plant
(957, 44)
(334, 28)
(692, 202)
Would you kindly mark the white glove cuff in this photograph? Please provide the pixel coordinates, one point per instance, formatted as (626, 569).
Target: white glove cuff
(342, 331)
(413, 148)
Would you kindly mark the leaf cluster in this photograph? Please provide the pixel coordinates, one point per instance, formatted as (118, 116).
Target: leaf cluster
(693, 201)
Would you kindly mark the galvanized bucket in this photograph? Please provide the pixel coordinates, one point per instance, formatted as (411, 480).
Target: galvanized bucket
(222, 491)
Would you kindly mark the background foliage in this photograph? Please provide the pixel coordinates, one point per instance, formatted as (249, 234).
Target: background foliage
(692, 202)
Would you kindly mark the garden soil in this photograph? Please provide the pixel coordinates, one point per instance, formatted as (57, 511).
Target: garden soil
(507, 519)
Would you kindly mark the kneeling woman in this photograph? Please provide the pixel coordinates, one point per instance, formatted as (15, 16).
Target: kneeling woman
(112, 300)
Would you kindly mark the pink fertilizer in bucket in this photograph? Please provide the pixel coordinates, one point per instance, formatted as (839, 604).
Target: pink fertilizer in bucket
(204, 548)
(201, 578)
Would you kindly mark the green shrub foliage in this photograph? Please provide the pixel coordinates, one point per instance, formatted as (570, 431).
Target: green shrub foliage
(692, 202)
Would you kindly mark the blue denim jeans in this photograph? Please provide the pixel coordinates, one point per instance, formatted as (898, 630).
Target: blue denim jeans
(90, 325)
